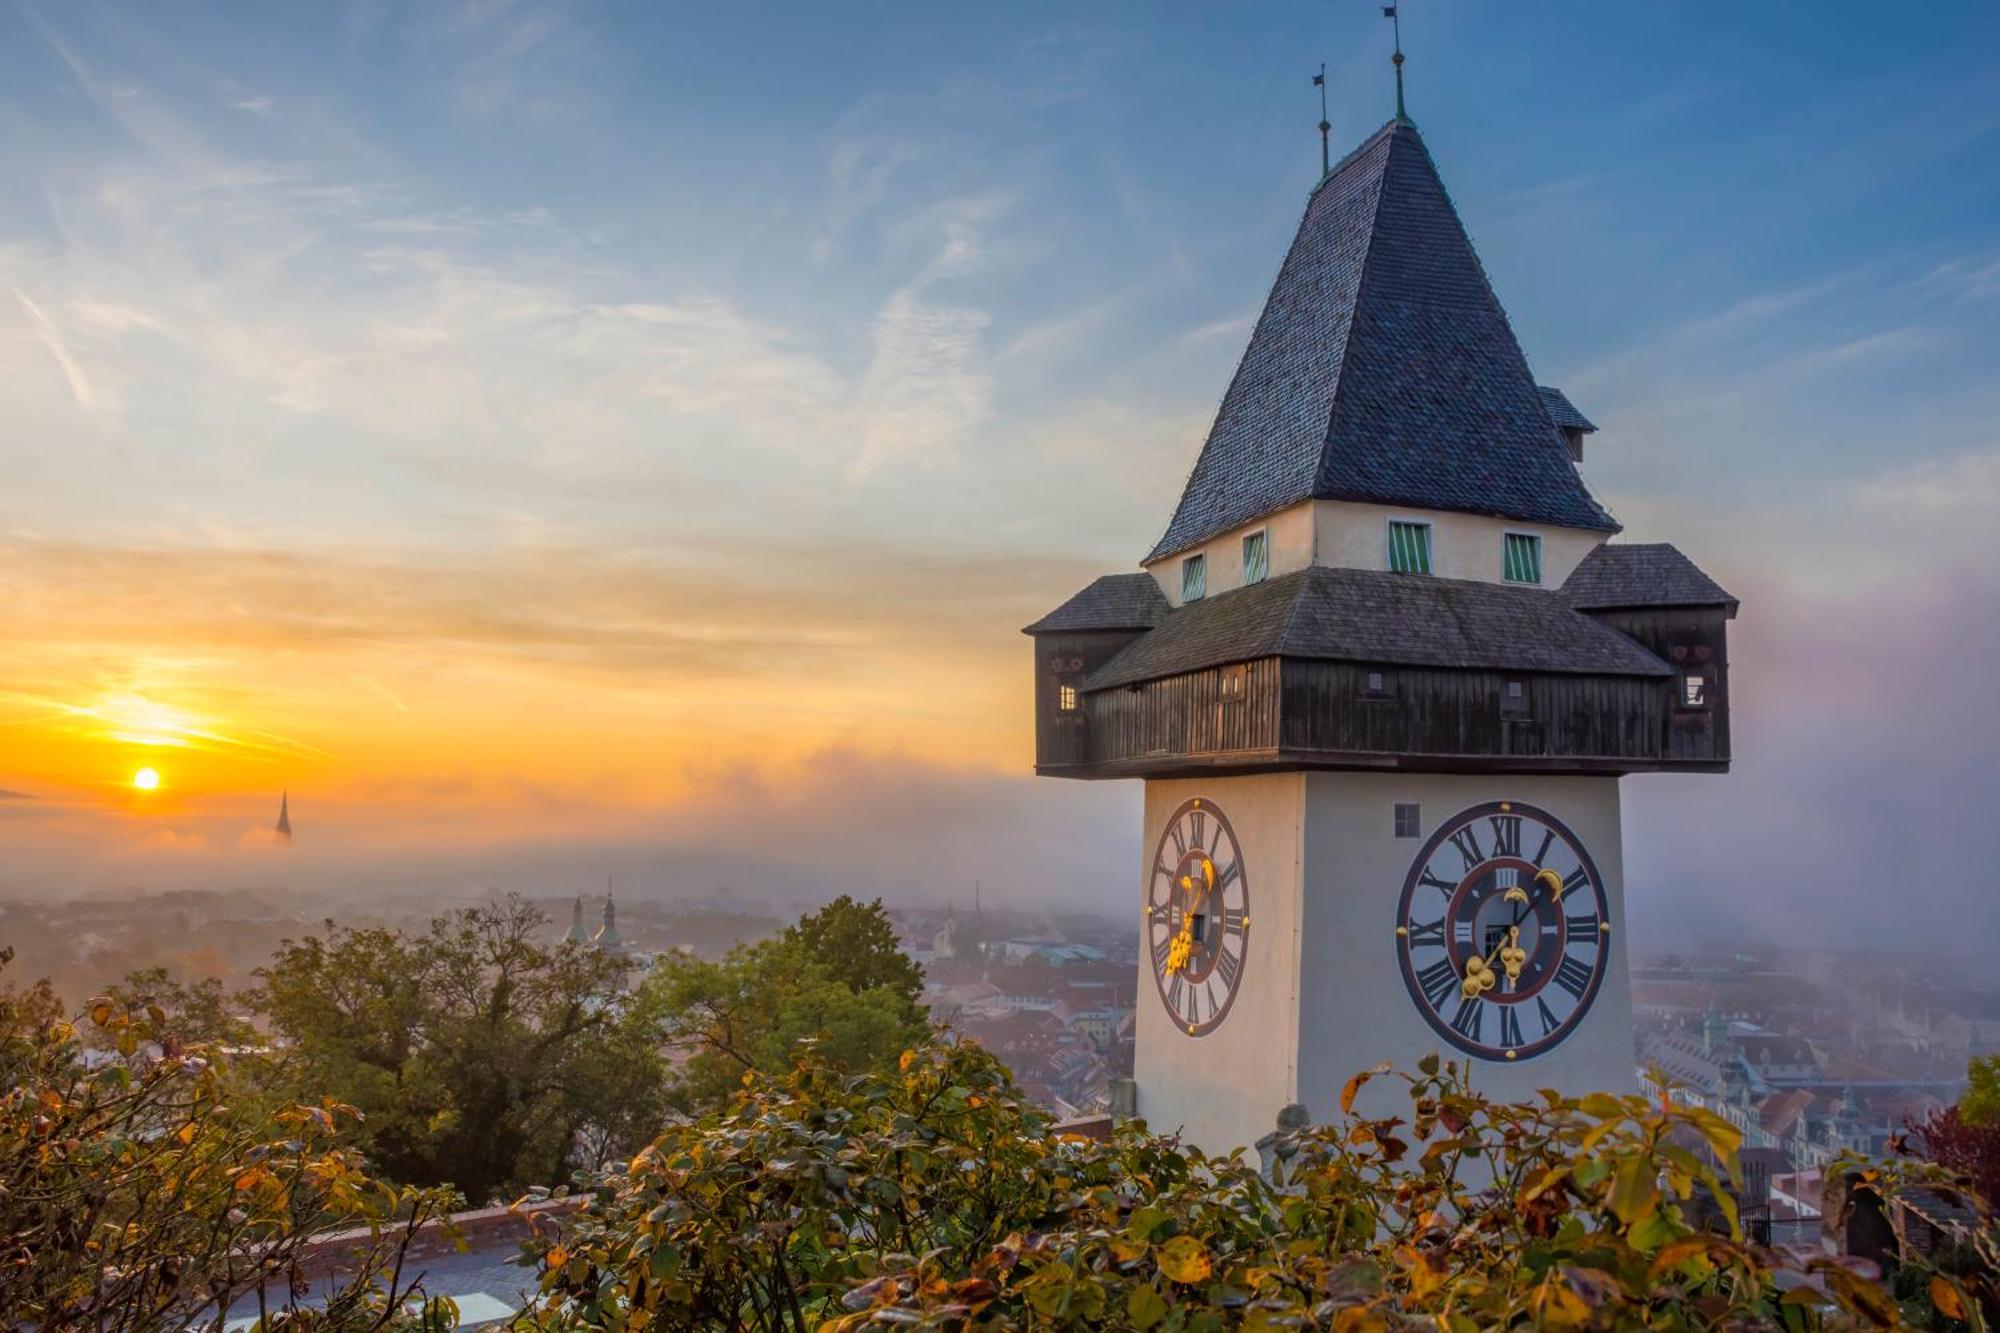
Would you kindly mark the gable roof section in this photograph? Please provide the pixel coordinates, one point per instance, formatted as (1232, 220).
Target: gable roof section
(1563, 412)
(1630, 574)
(1383, 370)
(1366, 615)
(1115, 601)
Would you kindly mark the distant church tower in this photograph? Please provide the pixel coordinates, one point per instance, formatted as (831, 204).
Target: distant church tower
(607, 937)
(1381, 675)
(576, 934)
(284, 825)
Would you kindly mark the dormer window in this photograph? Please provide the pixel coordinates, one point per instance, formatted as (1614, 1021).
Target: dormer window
(1409, 546)
(1194, 578)
(1256, 558)
(1066, 699)
(1521, 557)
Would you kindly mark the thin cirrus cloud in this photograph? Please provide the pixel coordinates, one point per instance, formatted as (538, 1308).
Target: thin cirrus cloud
(580, 457)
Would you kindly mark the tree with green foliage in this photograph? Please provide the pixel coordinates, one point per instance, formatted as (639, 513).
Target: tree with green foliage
(479, 1056)
(199, 1011)
(932, 1195)
(137, 1194)
(834, 982)
(1981, 1103)
(858, 944)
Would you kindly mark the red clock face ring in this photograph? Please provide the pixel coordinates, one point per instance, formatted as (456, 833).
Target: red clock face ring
(1197, 916)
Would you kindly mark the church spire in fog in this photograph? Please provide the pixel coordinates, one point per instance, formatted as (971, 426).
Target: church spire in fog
(284, 825)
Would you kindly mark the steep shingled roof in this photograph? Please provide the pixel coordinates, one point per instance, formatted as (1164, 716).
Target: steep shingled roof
(1366, 615)
(1627, 574)
(1115, 601)
(1383, 370)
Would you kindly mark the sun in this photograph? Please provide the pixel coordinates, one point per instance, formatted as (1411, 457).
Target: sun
(146, 779)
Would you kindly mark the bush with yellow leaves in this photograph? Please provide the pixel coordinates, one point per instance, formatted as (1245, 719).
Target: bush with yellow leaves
(935, 1196)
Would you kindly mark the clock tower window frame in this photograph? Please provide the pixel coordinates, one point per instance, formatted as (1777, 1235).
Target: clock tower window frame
(1409, 546)
(1194, 577)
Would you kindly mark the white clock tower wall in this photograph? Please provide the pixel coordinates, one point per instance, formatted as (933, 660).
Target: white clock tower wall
(1214, 1087)
(1355, 1009)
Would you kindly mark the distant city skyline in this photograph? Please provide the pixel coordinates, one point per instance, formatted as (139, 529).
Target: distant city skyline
(540, 440)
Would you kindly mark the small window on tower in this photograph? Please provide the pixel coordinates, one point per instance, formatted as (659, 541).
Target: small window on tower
(1235, 682)
(1375, 685)
(1514, 699)
(1521, 557)
(1694, 690)
(1194, 578)
(1409, 547)
(1409, 820)
(1256, 558)
(1066, 698)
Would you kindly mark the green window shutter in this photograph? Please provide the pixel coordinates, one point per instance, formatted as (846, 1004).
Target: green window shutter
(1410, 548)
(1256, 559)
(1194, 578)
(1521, 558)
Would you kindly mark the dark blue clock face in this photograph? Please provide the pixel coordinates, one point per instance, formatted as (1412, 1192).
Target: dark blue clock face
(1503, 931)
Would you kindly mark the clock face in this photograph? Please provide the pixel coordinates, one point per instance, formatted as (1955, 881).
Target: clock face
(1198, 917)
(1503, 931)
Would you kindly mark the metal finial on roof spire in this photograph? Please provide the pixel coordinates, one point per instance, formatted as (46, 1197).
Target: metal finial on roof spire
(1389, 12)
(1325, 155)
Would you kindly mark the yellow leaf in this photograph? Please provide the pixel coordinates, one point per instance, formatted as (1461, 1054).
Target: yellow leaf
(1946, 1298)
(1184, 1259)
(187, 1133)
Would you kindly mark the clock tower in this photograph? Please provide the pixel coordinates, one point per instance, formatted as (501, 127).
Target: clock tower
(1380, 676)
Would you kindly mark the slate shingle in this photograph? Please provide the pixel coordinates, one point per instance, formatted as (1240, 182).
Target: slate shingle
(1627, 574)
(1365, 615)
(1115, 601)
(1382, 369)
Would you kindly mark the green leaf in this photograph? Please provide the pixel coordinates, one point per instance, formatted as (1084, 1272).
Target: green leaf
(1145, 1306)
(1634, 1192)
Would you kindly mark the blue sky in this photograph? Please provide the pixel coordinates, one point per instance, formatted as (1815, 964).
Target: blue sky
(493, 336)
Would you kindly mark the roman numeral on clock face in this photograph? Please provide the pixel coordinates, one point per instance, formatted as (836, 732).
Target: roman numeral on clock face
(1573, 975)
(1437, 981)
(1227, 965)
(1510, 1026)
(1581, 926)
(1467, 843)
(1466, 1022)
(1430, 932)
(1197, 825)
(1506, 835)
(1548, 1016)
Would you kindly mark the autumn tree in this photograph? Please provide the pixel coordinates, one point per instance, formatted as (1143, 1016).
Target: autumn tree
(479, 1055)
(136, 1194)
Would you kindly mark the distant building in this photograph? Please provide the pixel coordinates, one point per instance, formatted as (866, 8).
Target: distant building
(284, 825)
(576, 934)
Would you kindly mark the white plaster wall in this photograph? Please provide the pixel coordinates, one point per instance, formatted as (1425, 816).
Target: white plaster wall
(1355, 1011)
(1289, 544)
(1463, 546)
(1347, 535)
(1224, 1089)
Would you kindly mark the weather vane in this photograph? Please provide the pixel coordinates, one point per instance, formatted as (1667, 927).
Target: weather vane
(1389, 12)
(1325, 158)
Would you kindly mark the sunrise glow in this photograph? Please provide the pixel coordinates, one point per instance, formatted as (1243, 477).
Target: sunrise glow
(146, 779)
